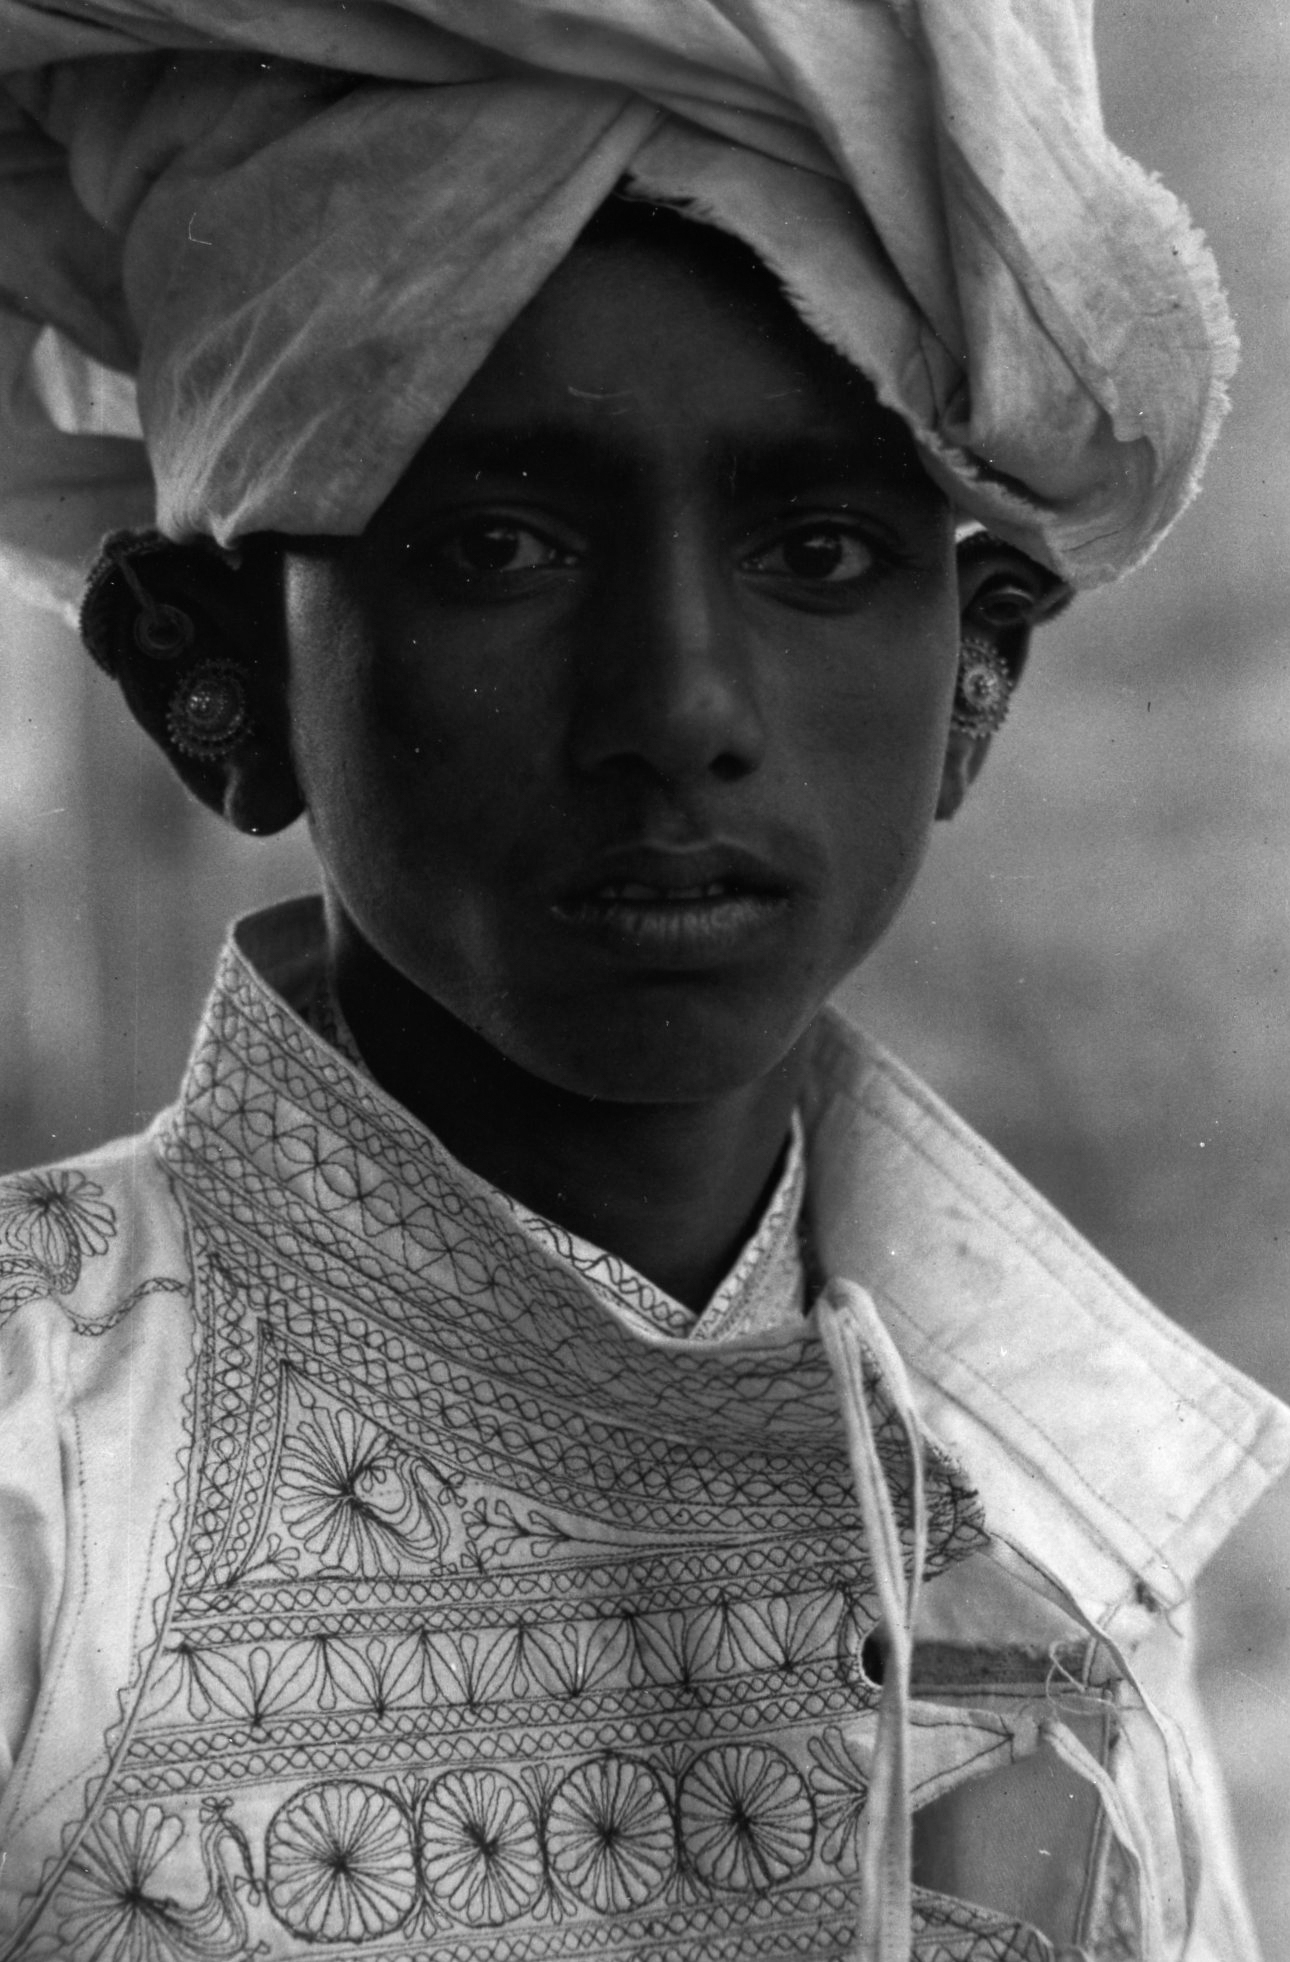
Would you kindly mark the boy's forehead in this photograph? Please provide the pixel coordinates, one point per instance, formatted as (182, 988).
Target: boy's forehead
(629, 356)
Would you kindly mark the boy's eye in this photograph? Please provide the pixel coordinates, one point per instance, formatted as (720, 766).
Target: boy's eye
(820, 554)
(492, 548)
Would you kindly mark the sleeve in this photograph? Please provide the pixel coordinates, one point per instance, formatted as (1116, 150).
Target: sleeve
(33, 1508)
(97, 1339)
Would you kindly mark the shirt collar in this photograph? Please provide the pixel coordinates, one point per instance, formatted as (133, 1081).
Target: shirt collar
(766, 1284)
(279, 1135)
(1101, 1437)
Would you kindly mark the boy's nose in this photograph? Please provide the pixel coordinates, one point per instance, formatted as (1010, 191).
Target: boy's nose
(667, 680)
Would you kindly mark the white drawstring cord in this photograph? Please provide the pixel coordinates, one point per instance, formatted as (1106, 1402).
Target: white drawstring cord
(1124, 1815)
(851, 1330)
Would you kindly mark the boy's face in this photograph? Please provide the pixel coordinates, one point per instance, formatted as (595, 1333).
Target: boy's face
(621, 727)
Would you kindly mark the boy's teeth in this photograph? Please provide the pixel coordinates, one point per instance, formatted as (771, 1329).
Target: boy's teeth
(630, 889)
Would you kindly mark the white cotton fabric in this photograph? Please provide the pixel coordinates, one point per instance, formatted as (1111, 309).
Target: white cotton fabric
(301, 229)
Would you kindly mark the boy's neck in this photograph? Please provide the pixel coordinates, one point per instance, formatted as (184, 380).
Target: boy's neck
(673, 1189)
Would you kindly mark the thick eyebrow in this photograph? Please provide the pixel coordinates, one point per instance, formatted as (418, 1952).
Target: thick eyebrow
(877, 461)
(747, 464)
(545, 449)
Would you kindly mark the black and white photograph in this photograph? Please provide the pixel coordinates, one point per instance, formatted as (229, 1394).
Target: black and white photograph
(644, 980)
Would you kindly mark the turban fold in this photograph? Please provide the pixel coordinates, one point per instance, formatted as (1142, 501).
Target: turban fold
(250, 254)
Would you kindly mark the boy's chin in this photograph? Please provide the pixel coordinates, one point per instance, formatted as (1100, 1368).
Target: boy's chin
(675, 1065)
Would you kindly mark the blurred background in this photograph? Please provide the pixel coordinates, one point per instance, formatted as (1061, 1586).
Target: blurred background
(1095, 968)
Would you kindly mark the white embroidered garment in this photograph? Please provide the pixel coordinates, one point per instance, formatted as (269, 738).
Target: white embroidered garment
(391, 1594)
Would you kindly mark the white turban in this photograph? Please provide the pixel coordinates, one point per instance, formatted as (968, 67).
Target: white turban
(250, 254)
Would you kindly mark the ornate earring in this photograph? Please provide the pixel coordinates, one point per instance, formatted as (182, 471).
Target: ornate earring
(162, 632)
(159, 630)
(208, 715)
(982, 690)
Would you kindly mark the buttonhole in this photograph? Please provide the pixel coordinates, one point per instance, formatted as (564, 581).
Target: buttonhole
(873, 1657)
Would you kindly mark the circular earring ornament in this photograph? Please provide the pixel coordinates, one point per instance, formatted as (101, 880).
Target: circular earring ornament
(208, 714)
(162, 632)
(982, 690)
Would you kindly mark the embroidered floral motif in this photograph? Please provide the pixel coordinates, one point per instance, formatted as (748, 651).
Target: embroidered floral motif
(378, 1675)
(472, 1670)
(841, 1788)
(680, 1648)
(355, 1499)
(49, 1222)
(480, 1849)
(786, 1633)
(340, 1863)
(515, 1630)
(111, 1902)
(746, 1817)
(115, 1907)
(610, 1836)
(497, 1529)
(255, 1687)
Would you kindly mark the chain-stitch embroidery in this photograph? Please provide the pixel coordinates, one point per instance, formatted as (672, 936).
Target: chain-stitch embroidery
(772, 1258)
(49, 1223)
(496, 1634)
(350, 1864)
(115, 1909)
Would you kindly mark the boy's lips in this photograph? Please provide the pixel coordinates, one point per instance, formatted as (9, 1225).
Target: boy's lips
(681, 906)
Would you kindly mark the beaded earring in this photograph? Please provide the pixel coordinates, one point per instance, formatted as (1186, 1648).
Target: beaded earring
(161, 631)
(982, 690)
(208, 712)
(207, 716)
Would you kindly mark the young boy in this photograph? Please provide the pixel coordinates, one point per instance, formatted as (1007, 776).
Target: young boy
(555, 1445)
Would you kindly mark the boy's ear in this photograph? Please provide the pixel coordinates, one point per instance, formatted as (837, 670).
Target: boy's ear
(1003, 597)
(194, 637)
